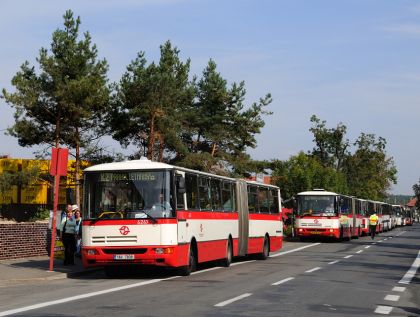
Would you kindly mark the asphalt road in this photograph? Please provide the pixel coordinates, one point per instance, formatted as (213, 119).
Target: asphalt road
(315, 278)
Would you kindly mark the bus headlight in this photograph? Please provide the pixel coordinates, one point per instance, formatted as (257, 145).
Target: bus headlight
(92, 252)
(164, 250)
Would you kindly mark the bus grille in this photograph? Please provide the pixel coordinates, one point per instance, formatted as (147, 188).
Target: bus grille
(124, 251)
(114, 239)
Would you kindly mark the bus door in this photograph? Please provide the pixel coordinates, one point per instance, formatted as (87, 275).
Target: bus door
(243, 216)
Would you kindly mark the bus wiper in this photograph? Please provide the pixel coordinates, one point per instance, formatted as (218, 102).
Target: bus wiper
(149, 216)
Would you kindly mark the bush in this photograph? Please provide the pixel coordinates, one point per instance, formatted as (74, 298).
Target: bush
(40, 214)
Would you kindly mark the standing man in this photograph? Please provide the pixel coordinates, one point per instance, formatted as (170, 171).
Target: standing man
(373, 221)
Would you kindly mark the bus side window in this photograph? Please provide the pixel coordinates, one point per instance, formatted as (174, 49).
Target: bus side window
(274, 206)
(179, 196)
(192, 191)
(227, 198)
(215, 194)
(204, 193)
(252, 199)
(263, 201)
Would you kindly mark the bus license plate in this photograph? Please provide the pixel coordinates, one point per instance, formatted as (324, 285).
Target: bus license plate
(123, 256)
(315, 232)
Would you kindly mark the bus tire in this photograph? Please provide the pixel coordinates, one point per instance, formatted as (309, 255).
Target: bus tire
(192, 262)
(265, 251)
(229, 254)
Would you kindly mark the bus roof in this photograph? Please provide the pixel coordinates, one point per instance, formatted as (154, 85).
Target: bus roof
(145, 164)
(317, 193)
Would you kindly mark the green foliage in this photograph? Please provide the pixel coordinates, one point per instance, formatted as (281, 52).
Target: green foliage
(148, 106)
(67, 98)
(40, 214)
(331, 147)
(369, 171)
(303, 172)
(416, 189)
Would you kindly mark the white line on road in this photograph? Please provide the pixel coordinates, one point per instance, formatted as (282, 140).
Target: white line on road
(348, 256)
(334, 262)
(392, 298)
(73, 298)
(360, 251)
(294, 250)
(239, 263)
(398, 289)
(229, 301)
(206, 270)
(367, 247)
(384, 310)
(411, 272)
(313, 270)
(385, 239)
(283, 281)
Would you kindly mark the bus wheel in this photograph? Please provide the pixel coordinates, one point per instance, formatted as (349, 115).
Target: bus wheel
(192, 262)
(265, 251)
(229, 255)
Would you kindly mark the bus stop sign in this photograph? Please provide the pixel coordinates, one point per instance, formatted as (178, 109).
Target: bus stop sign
(59, 160)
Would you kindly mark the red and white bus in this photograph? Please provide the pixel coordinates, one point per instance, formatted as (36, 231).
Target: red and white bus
(324, 213)
(149, 213)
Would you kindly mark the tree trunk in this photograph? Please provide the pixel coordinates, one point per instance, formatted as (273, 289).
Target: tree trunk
(151, 143)
(213, 149)
(161, 147)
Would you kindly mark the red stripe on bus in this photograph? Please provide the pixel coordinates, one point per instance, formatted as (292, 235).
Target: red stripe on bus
(208, 215)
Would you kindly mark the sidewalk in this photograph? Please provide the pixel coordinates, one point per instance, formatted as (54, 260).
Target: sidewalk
(37, 269)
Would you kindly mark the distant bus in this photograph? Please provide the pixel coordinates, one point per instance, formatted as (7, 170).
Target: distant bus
(149, 213)
(398, 211)
(328, 214)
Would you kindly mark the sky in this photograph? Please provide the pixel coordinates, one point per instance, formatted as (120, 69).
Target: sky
(351, 61)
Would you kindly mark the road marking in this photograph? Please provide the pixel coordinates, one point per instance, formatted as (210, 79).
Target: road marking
(244, 262)
(77, 297)
(348, 256)
(392, 298)
(374, 243)
(367, 247)
(398, 289)
(384, 310)
(294, 250)
(360, 251)
(380, 241)
(229, 301)
(283, 281)
(313, 270)
(206, 270)
(385, 239)
(334, 262)
(411, 272)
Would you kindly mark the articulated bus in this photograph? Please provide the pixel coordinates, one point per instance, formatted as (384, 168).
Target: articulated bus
(328, 214)
(149, 213)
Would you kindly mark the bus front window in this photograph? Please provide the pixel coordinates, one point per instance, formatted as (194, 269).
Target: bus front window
(128, 195)
(319, 205)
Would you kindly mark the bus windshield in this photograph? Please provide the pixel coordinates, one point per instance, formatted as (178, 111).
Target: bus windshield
(397, 211)
(319, 205)
(129, 195)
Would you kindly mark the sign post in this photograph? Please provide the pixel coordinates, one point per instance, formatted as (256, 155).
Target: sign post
(58, 168)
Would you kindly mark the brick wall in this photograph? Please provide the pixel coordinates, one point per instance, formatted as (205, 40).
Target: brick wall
(20, 240)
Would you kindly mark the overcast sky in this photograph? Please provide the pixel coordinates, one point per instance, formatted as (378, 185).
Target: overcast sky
(350, 61)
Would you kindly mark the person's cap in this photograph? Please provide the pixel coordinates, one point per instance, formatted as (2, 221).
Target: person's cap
(74, 207)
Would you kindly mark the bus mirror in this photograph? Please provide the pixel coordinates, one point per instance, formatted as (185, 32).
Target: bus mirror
(181, 185)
